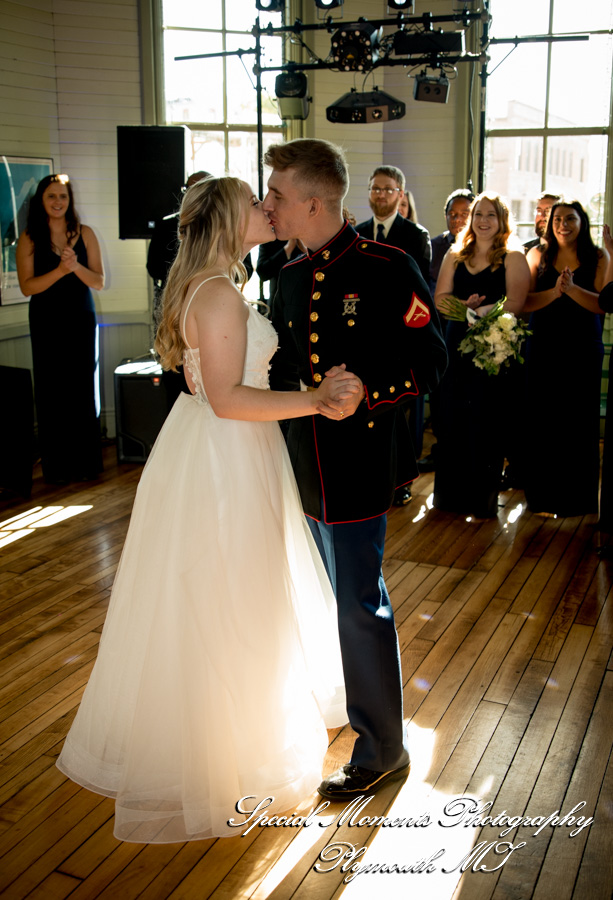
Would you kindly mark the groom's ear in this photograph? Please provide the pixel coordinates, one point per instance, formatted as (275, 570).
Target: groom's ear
(315, 206)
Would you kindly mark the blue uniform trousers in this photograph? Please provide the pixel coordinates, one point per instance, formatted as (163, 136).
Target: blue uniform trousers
(353, 553)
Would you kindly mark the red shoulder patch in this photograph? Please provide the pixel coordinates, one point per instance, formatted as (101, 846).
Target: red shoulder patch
(418, 313)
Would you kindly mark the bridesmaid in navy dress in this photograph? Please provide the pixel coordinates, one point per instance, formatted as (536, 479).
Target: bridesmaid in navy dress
(479, 269)
(58, 262)
(605, 302)
(564, 366)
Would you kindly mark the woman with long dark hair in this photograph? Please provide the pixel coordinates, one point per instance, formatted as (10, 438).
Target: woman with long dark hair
(58, 263)
(220, 652)
(480, 268)
(564, 366)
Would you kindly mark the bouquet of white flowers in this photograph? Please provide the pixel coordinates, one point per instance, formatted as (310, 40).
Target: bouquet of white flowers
(495, 338)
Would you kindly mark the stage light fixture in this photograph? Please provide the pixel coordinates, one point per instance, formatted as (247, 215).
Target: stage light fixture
(359, 108)
(355, 47)
(401, 5)
(291, 89)
(423, 43)
(270, 5)
(431, 88)
(328, 4)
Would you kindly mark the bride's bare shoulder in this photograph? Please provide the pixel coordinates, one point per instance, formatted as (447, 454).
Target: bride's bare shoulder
(215, 298)
(212, 285)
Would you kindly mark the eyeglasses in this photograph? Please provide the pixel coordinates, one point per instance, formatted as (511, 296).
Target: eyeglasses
(454, 215)
(389, 191)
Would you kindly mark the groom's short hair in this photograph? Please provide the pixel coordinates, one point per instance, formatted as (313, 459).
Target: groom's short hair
(319, 166)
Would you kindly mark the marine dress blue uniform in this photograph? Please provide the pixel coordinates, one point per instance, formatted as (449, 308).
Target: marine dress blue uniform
(365, 304)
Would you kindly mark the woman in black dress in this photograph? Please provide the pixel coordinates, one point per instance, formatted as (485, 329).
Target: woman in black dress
(58, 262)
(479, 269)
(564, 366)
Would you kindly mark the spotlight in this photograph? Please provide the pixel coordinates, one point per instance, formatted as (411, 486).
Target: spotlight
(270, 5)
(404, 5)
(355, 47)
(291, 89)
(432, 88)
(328, 4)
(359, 108)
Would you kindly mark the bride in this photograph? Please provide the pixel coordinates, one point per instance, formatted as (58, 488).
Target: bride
(219, 665)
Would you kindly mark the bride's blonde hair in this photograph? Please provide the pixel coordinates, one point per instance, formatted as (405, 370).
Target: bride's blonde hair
(212, 220)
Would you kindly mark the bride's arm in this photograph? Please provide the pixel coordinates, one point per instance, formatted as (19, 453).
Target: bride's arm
(218, 315)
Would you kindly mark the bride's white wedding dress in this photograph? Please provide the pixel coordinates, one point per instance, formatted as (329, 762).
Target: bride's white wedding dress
(219, 657)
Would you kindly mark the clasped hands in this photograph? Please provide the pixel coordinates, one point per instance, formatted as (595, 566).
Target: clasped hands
(564, 282)
(68, 260)
(339, 394)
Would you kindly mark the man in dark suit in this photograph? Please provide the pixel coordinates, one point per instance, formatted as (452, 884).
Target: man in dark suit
(385, 190)
(544, 202)
(456, 210)
(328, 310)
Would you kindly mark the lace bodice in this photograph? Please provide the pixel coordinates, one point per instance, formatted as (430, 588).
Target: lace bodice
(261, 345)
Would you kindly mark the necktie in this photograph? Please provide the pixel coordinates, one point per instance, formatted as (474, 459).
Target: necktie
(381, 233)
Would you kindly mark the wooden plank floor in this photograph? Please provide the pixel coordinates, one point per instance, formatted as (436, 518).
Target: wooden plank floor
(506, 636)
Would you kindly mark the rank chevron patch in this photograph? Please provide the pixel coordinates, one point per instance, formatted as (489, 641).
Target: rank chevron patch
(418, 314)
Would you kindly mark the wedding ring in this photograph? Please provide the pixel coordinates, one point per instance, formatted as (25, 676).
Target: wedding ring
(342, 414)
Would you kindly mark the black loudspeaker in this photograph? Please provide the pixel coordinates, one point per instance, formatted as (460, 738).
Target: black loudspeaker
(17, 416)
(151, 173)
(144, 395)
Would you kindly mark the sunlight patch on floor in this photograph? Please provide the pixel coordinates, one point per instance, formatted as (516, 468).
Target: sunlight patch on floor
(19, 526)
(418, 841)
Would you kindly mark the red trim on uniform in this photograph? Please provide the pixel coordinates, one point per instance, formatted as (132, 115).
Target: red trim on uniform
(395, 398)
(376, 245)
(332, 239)
(292, 262)
(321, 479)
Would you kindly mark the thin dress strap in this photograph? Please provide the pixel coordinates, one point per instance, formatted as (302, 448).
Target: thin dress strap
(210, 278)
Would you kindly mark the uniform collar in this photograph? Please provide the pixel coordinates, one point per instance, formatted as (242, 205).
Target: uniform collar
(341, 241)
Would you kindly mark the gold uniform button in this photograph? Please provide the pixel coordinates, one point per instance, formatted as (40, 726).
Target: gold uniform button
(376, 395)
(314, 316)
(371, 424)
(407, 384)
(319, 276)
(317, 377)
(314, 338)
(392, 390)
(350, 322)
(326, 254)
(290, 323)
(316, 295)
(314, 358)
(363, 247)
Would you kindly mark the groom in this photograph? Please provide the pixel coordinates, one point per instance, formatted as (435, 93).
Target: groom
(352, 301)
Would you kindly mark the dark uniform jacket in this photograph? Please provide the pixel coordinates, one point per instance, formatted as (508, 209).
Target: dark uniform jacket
(364, 304)
(413, 239)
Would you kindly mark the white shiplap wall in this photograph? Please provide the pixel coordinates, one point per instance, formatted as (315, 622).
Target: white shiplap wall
(69, 74)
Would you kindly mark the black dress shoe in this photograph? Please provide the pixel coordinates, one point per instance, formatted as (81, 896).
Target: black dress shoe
(402, 496)
(350, 781)
(427, 463)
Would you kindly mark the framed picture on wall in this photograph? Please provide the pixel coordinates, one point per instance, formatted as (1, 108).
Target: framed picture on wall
(19, 176)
